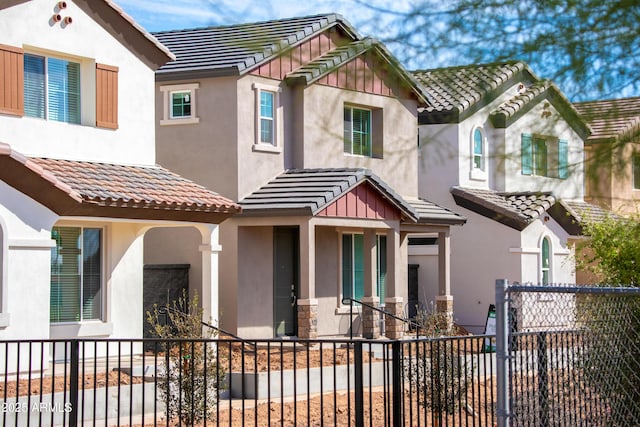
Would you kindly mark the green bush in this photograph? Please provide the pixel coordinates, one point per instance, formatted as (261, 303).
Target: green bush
(190, 382)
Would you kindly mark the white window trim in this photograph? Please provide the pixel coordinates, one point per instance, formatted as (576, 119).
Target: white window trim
(371, 127)
(259, 146)
(540, 261)
(167, 90)
(478, 174)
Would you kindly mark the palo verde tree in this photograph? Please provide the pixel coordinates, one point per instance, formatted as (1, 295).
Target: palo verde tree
(585, 46)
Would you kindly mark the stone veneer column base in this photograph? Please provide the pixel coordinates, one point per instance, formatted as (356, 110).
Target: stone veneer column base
(444, 304)
(308, 318)
(370, 319)
(393, 328)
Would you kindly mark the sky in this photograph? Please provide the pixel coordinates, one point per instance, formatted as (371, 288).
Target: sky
(158, 15)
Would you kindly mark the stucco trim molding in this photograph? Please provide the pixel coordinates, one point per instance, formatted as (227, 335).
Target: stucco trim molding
(43, 244)
(524, 250)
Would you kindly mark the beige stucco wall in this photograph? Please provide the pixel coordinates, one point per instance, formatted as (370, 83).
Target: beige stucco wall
(204, 152)
(322, 132)
(28, 26)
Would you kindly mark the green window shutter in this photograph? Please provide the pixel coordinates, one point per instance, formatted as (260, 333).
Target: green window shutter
(527, 154)
(381, 249)
(563, 159)
(358, 266)
(347, 266)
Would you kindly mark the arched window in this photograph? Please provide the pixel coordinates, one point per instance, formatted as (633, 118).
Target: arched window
(545, 261)
(478, 149)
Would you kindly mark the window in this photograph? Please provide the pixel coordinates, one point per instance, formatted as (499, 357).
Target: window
(478, 149)
(545, 262)
(357, 131)
(179, 104)
(353, 266)
(544, 156)
(51, 89)
(267, 117)
(76, 274)
(636, 171)
(268, 123)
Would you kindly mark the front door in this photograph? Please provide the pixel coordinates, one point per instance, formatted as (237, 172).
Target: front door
(285, 267)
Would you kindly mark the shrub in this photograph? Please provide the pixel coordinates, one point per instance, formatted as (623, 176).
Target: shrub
(190, 382)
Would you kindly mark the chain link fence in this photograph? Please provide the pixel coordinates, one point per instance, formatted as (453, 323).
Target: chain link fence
(568, 356)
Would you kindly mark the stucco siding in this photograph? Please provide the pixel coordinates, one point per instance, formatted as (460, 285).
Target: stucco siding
(86, 42)
(323, 135)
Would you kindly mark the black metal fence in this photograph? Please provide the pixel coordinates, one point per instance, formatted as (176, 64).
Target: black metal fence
(444, 381)
(568, 355)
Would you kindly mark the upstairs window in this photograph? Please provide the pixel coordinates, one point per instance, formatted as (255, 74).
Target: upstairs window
(51, 89)
(179, 104)
(544, 156)
(636, 171)
(267, 117)
(357, 131)
(478, 149)
(76, 274)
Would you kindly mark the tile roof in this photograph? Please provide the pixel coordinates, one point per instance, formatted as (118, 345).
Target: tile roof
(311, 190)
(124, 191)
(456, 90)
(236, 49)
(612, 119)
(308, 191)
(573, 214)
(516, 210)
(429, 212)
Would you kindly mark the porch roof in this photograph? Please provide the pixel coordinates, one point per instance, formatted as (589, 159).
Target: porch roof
(80, 188)
(518, 209)
(309, 191)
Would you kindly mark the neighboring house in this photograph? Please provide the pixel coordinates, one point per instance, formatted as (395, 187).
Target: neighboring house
(312, 128)
(612, 151)
(79, 184)
(505, 149)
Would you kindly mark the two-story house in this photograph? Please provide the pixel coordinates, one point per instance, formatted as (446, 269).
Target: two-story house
(79, 184)
(312, 129)
(505, 149)
(612, 154)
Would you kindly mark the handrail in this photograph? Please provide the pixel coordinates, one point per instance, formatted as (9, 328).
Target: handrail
(168, 309)
(350, 301)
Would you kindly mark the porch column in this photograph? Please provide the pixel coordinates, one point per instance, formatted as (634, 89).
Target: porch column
(307, 302)
(393, 301)
(444, 299)
(370, 317)
(210, 249)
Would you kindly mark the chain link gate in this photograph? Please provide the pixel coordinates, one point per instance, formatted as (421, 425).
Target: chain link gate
(567, 355)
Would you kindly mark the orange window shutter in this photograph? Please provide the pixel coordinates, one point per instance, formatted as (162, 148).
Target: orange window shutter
(11, 80)
(106, 96)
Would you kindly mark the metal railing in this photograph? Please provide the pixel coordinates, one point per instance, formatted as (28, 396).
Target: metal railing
(447, 381)
(351, 301)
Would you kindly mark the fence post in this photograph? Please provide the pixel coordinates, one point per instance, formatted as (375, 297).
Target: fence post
(359, 384)
(502, 353)
(543, 380)
(74, 377)
(396, 372)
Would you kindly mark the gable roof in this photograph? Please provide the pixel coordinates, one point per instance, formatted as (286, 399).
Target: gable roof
(309, 191)
(316, 69)
(122, 27)
(455, 93)
(78, 188)
(519, 209)
(611, 120)
(237, 49)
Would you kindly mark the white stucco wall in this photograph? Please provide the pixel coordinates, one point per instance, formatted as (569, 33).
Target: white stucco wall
(28, 26)
(27, 246)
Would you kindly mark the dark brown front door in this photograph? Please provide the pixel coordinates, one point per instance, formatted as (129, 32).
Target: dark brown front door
(285, 266)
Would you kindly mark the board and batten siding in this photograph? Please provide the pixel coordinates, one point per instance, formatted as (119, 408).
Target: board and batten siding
(106, 96)
(11, 80)
(362, 202)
